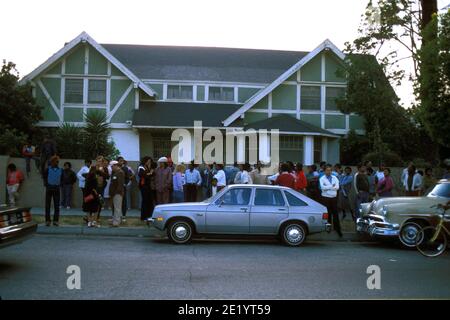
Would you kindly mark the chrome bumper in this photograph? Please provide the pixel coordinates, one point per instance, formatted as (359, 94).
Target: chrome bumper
(150, 222)
(328, 227)
(377, 228)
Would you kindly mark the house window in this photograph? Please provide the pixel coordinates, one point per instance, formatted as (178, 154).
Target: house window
(333, 93)
(73, 91)
(310, 97)
(291, 142)
(97, 92)
(179, 92)
(221, 93)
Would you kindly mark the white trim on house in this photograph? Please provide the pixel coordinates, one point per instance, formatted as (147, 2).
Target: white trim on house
(119, 103)
(327, 44)
(49, 98)
(85, 38)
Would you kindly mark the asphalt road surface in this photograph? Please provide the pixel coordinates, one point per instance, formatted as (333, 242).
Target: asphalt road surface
(144, 268)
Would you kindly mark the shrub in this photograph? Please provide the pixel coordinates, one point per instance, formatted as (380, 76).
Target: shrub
(388, 158)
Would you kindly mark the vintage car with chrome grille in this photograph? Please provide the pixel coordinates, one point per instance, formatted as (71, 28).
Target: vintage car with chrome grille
(16, 225)
(244, 210)
(402, 217)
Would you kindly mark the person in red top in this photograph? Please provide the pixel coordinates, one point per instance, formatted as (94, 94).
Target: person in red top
(300, 182)
(285, 179)
(13, 181)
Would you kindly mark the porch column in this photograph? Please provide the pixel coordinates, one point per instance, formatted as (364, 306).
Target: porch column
(325, 149)
(264, 147)
(308, 150)
(240, 152)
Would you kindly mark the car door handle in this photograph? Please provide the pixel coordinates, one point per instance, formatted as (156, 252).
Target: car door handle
(281, 209)
(244, 209)
(200, 214)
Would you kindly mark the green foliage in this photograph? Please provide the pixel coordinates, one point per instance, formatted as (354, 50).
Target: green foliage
(69, 139)
(19, 111)
(434, 80)
(353, 148)
(96, 137)
(10, 139)
(388, 158)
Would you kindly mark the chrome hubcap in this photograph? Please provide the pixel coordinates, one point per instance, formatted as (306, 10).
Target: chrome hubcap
(181, 232)
(410, 234)
(294, 234)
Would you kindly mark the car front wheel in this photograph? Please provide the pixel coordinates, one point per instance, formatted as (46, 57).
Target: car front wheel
(293, 234)
(408, 234)
(180, 231)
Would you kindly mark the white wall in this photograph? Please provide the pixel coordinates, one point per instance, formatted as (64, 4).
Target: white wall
(127, 142)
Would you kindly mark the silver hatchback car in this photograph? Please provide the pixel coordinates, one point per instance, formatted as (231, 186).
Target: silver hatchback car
(244, 210)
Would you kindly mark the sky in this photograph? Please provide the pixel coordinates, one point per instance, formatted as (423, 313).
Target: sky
(33, 30)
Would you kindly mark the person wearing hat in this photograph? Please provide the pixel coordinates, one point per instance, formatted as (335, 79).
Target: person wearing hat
(116, 191)
(163, 181)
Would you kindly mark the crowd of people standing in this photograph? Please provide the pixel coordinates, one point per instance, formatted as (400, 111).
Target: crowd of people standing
(107, 185)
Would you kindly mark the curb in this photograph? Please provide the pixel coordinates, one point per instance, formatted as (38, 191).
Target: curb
(145, 232)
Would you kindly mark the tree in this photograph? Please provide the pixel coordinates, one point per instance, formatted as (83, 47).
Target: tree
(96, 136)
(18, 108)
(434, 81)
(69, 139)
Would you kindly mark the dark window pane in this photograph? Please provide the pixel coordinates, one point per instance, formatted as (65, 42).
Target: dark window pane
(97, 91)
(221, 94)
(73, 91)
(268, 197)
(310, 97)
(236, 196)
(294, 201)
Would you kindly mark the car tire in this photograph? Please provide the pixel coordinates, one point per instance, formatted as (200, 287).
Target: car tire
(293, 234)
(408, 234)
(180, 231)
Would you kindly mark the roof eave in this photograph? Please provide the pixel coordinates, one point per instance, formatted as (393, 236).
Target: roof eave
(85, 37)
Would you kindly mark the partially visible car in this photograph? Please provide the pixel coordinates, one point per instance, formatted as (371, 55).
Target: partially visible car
(402, 217)
(16, 225)
(243, 209)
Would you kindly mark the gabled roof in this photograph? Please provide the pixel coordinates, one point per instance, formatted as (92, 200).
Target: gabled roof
(204, 63)
(182, 114)
(327, 44)
(289, 124)
(85, 38)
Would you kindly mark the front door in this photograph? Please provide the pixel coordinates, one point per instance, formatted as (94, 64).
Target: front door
(267, 212)
(230, 214)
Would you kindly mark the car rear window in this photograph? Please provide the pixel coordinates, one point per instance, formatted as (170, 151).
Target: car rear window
(294, 201)
(268, 197)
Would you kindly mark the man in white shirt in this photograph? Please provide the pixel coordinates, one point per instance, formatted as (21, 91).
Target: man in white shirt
(329, 185)
(81, 175)
(221, 177)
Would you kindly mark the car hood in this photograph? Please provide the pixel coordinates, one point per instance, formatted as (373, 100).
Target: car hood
(182, 206)
(407, 204)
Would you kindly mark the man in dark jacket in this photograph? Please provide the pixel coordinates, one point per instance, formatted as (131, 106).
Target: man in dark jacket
(362, 188)
(52, 182)
(48, 150)
(68, 179)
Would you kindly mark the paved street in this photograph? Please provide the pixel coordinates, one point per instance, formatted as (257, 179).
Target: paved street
(143, 268)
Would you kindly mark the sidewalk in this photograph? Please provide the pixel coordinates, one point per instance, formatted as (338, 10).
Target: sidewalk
(135, 213)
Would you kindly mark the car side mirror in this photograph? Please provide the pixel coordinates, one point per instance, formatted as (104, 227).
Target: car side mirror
(219, 202)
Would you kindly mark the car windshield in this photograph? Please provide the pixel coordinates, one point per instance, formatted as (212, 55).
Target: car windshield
(440, 190)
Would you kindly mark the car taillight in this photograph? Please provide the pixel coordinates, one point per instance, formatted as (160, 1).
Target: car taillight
(26, 216)
(4, 220)
(325, 216)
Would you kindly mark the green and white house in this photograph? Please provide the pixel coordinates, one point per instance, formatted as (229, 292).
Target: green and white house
(148, 91)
